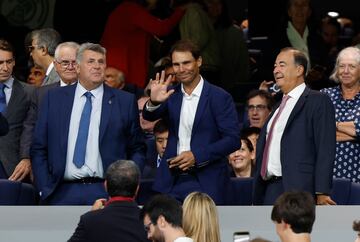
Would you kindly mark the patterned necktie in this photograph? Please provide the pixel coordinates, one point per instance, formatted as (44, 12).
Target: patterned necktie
(2, 98)
(265, 159)
(81, 140)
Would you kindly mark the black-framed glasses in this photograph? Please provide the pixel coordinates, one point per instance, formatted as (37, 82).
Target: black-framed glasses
(32, 47)
(147, 226)
(66, 64)
(259, 107)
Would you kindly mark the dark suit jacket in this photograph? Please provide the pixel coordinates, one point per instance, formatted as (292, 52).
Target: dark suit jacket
(120, 134)
(31, 117)
(119, 221)
(4, 126)
(15, 114)
(215, 134)
(307, 147)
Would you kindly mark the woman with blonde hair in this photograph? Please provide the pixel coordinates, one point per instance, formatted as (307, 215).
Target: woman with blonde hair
(200, 218)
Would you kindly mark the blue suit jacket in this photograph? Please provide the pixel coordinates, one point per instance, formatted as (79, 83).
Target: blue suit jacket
(215, 134)
(120, 134)
(307, 147)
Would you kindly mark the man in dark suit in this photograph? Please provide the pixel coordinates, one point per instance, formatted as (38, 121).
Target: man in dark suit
(15, 101)
(41, 46)
(296, 146)
(81, 129)
(117, 219)
(203, 128)
(64, 63)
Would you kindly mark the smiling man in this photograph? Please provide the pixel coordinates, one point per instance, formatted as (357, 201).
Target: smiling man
(296, 147)
(80, 131)
(203, 128)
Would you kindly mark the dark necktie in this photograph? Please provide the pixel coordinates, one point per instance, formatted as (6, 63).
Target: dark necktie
(265, 159)
(2, 98)
(81, 140)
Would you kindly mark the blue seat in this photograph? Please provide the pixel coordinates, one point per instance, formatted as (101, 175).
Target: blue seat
(341, 190)
(145, 191)
(240, 191)
(17, 193)
(3, 174)
(354, 198)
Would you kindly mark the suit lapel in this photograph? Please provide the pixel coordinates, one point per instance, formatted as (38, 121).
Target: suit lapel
(175, 107)
(67, 99)
(298, 106)
(204, 97)
(106, 109)
(17, 95)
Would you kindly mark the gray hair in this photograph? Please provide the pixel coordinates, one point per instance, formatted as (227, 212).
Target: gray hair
(70, 44)
(122, 178)
(89, 46)
(353, 52)
(48, 38)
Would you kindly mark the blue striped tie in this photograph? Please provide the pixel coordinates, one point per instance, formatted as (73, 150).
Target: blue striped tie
(2, 98)
(81, 140)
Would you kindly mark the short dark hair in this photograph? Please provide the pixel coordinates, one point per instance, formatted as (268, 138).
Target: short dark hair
(296, 208)
(160, 126)
(6, 46)
(356, 226)
(184, 46)
(166, 206)
(246, 132)
(270, 101)
(300, 58)
(248, 143)
(122, 178)
(48, 38)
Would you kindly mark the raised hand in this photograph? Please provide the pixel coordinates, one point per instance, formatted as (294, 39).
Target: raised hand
(159, 88)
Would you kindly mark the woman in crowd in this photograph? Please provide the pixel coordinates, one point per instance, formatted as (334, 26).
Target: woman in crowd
(200, 218)
(346, 100)
(241, 160)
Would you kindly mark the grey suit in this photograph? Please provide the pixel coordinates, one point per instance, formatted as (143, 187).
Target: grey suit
(51, 78)
(15, 114)
(31, 117)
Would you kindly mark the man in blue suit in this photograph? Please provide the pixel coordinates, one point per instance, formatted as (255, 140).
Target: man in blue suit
(68, 157)
(203, 128)
(296, 146)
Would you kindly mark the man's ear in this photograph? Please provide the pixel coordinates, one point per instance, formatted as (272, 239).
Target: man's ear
(161, 222)
(199, 61)
(300, 70)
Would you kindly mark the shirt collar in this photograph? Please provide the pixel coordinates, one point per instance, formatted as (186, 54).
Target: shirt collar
(9, 82)
(80, 90)
(297, 91)
(49, 69)
(198, 89)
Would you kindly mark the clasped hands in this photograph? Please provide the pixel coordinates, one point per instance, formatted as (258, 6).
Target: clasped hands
(184, 161)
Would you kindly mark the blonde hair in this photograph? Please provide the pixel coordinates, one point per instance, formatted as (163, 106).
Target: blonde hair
(200, 218)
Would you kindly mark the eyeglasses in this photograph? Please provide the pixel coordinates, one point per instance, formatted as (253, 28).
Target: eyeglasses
(66, 64)
(147, 227)
(259, 107)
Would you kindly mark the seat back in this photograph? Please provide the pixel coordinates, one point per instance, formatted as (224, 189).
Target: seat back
(354, 198)
(341, 191)
(17, 193)
(240, 191)
(145, 191)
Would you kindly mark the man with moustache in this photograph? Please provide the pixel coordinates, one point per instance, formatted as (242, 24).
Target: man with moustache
(82, 129)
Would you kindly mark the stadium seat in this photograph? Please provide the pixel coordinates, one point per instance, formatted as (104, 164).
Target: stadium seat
(354, 198)
(341, 191)
(17, 193)
(240, 191)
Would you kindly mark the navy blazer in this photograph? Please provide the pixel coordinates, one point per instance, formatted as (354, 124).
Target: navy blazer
(215, 134)
(120, 134)
(307, 147)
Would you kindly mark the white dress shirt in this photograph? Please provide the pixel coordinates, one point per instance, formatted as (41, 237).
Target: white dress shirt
(93, 163)
(187, 116)
(274, 164)
(8, 89)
